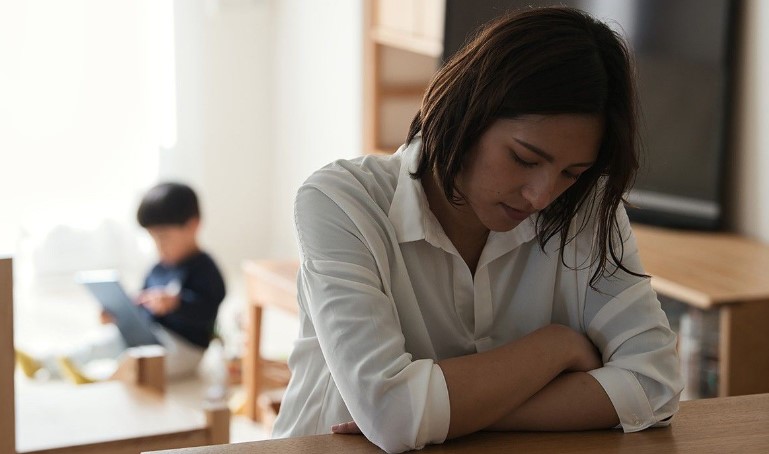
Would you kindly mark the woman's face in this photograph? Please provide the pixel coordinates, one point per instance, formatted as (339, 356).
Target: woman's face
(519, 166)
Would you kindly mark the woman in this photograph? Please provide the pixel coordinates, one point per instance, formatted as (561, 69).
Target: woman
(485, 277)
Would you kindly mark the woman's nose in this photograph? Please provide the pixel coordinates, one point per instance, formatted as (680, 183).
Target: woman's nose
(539, 193)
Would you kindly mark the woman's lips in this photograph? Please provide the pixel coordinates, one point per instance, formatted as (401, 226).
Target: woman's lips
(514, 214)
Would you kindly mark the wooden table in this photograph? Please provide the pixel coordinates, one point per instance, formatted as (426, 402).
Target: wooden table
(269, 284)
(110, 415)
(116, 417)
(721, 425)
(722, 272)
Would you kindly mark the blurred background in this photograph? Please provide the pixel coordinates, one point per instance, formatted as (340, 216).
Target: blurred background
(241, 99)
(99, 100)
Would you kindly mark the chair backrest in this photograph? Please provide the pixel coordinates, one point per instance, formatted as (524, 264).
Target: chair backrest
(7, 359)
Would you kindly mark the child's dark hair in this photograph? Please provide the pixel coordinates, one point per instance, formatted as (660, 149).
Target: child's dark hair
(539, 61)
(168, 204)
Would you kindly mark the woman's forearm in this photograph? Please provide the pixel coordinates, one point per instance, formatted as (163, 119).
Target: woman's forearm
(486, 387)
(573, 401)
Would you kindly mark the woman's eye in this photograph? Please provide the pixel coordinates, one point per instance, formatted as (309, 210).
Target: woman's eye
(522, 162)
(573, 176)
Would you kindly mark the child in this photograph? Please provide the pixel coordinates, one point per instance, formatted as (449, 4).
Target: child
(180, 296)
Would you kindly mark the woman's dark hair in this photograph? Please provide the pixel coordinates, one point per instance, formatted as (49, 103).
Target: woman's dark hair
(543, 61)
(168, 204)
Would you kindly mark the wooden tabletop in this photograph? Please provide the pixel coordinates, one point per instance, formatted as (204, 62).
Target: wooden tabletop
(728, 424)
(273, 283)
(704, 269)
(54, 416)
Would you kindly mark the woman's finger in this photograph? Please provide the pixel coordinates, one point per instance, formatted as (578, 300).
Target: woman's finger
(345, 428)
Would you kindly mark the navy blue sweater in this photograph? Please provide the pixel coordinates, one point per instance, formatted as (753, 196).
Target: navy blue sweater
(202, 290)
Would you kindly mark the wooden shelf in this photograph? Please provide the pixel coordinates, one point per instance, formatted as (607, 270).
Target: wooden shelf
(418, 45)
(403, 43)
(402, 91)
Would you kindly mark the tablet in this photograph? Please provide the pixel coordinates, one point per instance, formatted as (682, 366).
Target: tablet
(105, 286)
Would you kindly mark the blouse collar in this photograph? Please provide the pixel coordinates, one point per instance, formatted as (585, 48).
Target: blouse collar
(413, 220)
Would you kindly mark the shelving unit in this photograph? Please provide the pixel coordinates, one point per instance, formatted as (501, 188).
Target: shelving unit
(724, 276)
(403, 43)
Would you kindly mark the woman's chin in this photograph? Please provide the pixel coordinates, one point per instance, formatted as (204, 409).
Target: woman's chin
(504, 225)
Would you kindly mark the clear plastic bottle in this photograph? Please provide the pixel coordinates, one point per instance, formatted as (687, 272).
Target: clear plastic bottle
(216, 373)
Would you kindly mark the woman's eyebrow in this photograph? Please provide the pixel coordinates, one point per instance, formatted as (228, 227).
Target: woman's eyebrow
(547, 156)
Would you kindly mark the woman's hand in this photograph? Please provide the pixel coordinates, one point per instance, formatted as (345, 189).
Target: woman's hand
(346, 428)
(586, 356)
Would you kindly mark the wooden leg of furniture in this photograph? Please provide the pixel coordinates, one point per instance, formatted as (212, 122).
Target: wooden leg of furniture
(7, 360)
(744, 349)
(143, 366)
(252, 364)
(218, 422)
(152, 370)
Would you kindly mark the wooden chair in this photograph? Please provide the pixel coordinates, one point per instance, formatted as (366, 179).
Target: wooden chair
(128, 415)
(270, 284)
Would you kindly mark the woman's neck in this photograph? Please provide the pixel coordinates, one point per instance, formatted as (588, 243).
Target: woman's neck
(459, 222)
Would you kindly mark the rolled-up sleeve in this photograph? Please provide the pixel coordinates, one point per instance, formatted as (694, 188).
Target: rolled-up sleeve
(397, 402)
(624, 319)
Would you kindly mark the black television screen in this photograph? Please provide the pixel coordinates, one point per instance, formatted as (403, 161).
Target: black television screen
(682, 50)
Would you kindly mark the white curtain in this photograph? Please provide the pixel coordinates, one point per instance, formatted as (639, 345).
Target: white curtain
(88, 100)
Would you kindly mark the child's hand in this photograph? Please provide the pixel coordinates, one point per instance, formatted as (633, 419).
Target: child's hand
(106, 318)
(158, 301)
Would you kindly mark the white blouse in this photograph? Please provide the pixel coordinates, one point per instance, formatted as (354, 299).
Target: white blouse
(384, 295)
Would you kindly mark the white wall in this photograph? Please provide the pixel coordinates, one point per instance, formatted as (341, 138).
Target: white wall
(750, 175)
(224, 73)
(79, 127)
(317, 98)
(268, 91)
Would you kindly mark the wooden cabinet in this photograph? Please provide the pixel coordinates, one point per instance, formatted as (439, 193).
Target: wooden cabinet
(725, 275)
(403, 43)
